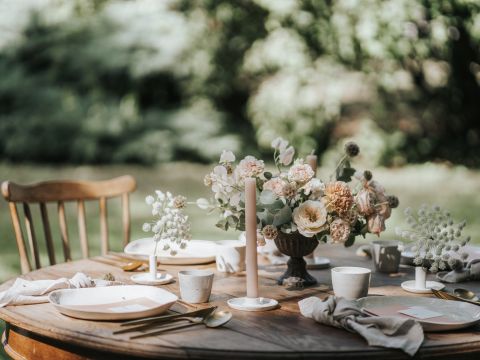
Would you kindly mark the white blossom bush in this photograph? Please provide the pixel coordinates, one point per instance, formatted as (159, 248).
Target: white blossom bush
(170, 226)
(437, 238)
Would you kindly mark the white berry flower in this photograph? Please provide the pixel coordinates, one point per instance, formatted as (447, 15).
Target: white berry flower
(149, 200)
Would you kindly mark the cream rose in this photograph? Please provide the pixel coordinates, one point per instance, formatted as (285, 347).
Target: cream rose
(300, 173)
(275, 185)
(310, 218)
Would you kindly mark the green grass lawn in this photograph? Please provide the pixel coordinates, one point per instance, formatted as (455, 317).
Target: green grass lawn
(455, 188)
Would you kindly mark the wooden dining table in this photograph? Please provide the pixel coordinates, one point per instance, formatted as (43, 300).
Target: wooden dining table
(41, 332)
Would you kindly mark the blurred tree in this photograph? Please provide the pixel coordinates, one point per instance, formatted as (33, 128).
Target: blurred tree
(149, 81)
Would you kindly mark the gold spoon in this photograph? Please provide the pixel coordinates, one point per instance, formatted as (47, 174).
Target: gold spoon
(215, 319)
(465, 294)
(132, 266)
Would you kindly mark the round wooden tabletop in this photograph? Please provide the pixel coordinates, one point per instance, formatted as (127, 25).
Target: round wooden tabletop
(40, 332)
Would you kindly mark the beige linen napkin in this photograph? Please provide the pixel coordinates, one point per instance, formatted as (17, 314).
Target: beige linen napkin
(24, 292)
(391, 332)
(468, 273)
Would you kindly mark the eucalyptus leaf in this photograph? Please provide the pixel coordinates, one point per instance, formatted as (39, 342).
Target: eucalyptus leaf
(232, 220)
(266, 217)
(222, 224)
(268, 175)
(276, 205)
(267, 197)
(283, 216)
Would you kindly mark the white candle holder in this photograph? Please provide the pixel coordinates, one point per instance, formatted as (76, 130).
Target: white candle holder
(252, 304)
(420, 285)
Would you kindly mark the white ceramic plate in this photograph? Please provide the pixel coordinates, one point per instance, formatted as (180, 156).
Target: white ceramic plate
(112, 302)
(196, 252)
(146, 279)
(455, 314)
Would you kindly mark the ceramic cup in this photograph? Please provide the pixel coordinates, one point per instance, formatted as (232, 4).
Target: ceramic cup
(195, 285)
(230, 256)
(350, 282)
(386, 255)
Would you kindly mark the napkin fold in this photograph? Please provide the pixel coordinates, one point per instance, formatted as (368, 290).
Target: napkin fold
(469, 272)
(387, 331)
(24, 292)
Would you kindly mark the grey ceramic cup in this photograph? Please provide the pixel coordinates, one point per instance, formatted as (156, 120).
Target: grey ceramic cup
(386, 255)
(350, 282)
(195, 285)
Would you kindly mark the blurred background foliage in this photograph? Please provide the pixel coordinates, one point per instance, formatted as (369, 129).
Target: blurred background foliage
(153, 81)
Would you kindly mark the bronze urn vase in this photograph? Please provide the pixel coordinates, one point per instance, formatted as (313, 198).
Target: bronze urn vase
(296, 246)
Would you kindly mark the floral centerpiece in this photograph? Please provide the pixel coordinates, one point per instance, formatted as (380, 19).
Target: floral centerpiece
(294, 208)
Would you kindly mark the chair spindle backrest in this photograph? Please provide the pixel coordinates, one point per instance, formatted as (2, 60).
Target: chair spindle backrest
(61, 192)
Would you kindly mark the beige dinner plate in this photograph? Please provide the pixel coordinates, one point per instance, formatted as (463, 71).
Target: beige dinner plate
(451, 314)
(197, 252)
(112, 302)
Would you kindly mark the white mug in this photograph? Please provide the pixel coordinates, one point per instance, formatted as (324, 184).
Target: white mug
(230, 256)
(350, 282)
(195, 285)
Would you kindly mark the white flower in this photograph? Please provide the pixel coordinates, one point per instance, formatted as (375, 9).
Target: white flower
(203, 203)
(286, 157)
(146, 227)
(314, 189)
(227, 157)
(279, 144)
(275, 185)
(310, 218)
(300, 173)
(149, 200)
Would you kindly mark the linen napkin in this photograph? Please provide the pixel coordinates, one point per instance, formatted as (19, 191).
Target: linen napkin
(387, 331)
(24, 292)
(470, 272)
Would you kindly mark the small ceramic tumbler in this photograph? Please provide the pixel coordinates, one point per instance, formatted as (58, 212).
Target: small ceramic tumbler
(386, 255)
(230, 256)
(350, 282)
(195, 285)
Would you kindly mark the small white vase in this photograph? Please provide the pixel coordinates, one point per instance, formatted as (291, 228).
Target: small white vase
(420, 277)
(152, 264)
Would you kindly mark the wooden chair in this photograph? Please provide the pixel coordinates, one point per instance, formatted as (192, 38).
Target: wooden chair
(60, 192)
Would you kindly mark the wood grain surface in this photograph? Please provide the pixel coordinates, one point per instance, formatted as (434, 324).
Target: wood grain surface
(281, 333)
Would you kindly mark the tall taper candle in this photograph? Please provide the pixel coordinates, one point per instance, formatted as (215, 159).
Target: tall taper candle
(312, 161)
(251, 234)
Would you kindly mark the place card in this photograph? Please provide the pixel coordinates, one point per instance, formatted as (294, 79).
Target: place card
(420, 312)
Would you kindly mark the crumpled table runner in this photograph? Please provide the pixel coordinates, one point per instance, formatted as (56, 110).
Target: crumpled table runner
(24, 292)
(469, 272)
(391, 332)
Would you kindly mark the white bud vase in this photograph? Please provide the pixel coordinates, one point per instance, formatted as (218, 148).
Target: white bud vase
(152, 264)
(420, 277)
